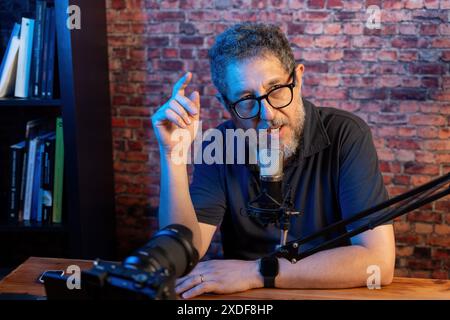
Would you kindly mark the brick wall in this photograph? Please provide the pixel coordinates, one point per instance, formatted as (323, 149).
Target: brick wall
(396, 78)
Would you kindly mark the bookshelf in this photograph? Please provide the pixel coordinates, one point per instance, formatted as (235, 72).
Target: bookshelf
(82, 100)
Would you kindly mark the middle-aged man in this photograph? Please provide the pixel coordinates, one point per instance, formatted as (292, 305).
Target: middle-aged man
(330, 163)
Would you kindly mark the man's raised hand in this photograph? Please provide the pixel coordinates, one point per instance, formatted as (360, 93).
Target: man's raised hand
(178, 112)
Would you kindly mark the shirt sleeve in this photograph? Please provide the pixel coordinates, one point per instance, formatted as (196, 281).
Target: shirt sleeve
(208, 194)
(361, 184)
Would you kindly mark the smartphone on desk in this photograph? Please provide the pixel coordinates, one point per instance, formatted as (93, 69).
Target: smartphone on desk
(59, 273)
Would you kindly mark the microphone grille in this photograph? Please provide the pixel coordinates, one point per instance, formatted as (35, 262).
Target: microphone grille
(270, 162)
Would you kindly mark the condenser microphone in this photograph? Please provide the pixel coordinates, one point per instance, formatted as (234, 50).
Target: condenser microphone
(271, 206)
(270, 163)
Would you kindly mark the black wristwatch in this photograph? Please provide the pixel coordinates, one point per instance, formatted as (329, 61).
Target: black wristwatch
(268, 267)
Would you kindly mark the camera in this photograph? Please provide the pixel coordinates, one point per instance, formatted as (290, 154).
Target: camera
(148, 274)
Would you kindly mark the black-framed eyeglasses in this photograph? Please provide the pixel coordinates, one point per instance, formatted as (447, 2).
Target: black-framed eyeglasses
(278, 97)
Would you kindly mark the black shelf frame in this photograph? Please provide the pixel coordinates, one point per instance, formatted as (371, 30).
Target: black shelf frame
(32, 227)
(29, 102)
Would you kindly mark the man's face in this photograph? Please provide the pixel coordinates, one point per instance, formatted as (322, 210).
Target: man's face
(255, 77)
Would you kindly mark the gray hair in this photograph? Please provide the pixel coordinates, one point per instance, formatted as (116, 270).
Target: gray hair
(247, 40)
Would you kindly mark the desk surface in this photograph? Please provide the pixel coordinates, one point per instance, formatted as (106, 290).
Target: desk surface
(23, 280)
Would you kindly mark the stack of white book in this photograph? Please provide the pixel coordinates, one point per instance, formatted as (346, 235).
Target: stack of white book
(28, 64)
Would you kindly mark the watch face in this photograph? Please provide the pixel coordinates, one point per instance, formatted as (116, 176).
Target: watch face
(269, 266)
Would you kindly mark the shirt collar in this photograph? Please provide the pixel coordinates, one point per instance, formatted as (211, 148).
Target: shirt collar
(314, 136)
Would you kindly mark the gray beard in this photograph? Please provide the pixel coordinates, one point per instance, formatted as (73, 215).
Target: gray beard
(291, 147)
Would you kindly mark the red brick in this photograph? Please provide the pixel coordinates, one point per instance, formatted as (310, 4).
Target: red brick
(157, 41)
(442, 229)
(406, 55)
(442, 241)
(334, 4)
(427, 68)
(119, 100)
(118, 4)
(443, 205)
(316, 67)
(404, 42)
(134, 123)
(417, 180)
(408, 94)
(333, 28)
(402, 227)
(393, 4)
(313, 28)
(407, 132)
(367, 42)
(446, 55)
(430, 82)
(191, 41)
(170, 53)
(405, 155)
(169, 16)
(171, 65)
(375, 94)
(403, 144)
(414, 4)
(430, 120)
(407, 29)
(415, 168)
(441, 43)
(302, 41)
(423, 228)
(387, 55)
(402, 179)
(313, 15)
(135, 111)
(295, 28)
(316, 4)
(437, 145)
(429, 29)
(427, 132)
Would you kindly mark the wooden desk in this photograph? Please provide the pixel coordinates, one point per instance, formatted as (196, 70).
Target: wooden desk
(23, 280)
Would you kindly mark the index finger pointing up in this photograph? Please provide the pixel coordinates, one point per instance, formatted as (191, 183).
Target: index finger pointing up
(181, 84)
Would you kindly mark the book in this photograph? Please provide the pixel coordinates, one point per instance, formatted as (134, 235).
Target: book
(8, 68)
(35, 128)
(36, 68)
(45, 50)
(36, 204)
(17, 153)
(59, 171)
(24, 59)
(36, 212)
(48, 168)
(31, 156)
(22, 185)
(51, 54)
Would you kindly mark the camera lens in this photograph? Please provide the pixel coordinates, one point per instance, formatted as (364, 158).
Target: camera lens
(170, 248)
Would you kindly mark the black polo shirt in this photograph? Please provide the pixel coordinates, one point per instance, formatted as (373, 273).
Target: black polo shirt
(334, 175)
